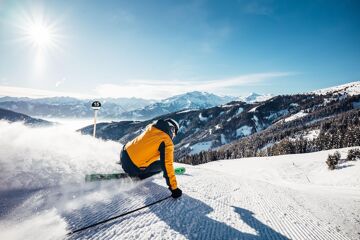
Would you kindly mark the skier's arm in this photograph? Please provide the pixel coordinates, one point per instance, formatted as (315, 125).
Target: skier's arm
(167, 159)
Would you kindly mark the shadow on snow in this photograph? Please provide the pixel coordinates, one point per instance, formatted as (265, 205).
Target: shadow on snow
(187, 216)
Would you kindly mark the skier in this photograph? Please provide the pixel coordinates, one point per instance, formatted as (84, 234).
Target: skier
(152, 152)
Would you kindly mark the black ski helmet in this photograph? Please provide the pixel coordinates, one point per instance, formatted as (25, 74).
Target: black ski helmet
(173, 123)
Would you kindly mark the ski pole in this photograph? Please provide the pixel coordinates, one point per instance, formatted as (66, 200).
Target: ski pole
(115, 217)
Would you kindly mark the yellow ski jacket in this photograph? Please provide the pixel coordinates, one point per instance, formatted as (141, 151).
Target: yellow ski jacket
(152, 145)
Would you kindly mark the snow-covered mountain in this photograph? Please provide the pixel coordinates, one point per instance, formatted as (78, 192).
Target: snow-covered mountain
(352, 88)
(255, 97)
(44, 195)
(191, 100)
(119, 108)
(112, 108)
(67, 107)
(262, 123)
(11, 116)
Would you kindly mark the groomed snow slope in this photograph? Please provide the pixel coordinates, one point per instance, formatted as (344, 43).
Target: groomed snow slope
(285, 197)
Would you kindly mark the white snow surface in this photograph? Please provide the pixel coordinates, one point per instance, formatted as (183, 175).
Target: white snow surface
(307, 135)
(223, 139)
(258, 125)
(312, 134)
(201, 146)
(296, 116)
(352, 88)
(188, 110)
(243, 131)
(283, 197)
(253, 109)
(255, 97)
(239, 111)
(202, 118)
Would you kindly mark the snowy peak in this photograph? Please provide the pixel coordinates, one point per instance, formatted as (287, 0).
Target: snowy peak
(255, 97)
(198, 99)
(351, 89)
(190, 100)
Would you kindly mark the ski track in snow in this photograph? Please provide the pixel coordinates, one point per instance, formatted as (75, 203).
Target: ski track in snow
(239, 209)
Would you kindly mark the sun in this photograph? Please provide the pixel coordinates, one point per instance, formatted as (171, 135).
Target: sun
(38, 30)
(40, 35)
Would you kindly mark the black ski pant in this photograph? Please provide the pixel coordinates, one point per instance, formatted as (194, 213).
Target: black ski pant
(133, 171)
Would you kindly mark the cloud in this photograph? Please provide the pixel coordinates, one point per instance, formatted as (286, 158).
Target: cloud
(58, 83)
(4, 80)
(37, 93)
(154, 89)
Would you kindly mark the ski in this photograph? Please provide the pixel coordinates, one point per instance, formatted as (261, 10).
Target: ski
(105, 176)
(179, 170)
(113, 176)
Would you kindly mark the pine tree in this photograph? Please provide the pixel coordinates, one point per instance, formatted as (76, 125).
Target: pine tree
(353, 154)
(333, 160)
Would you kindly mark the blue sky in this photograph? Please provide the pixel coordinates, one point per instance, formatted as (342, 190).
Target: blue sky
(155, 49)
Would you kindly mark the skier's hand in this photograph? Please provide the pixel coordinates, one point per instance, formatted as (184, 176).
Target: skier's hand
(176, 193)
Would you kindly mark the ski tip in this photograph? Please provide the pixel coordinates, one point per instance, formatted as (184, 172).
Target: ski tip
(179, 170)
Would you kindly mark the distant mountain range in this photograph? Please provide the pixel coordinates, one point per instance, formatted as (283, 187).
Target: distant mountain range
(210, 128)
(117, 108)
(66, 107)
(191, 100)
(19, 117)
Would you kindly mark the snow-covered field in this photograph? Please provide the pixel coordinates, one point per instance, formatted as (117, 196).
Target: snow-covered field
(43, 195)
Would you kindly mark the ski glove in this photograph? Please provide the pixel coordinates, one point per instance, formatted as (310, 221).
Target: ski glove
(176, 193)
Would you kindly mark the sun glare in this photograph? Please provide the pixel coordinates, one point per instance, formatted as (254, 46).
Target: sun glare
(38, 29)
(40, 32)
(40, 35)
